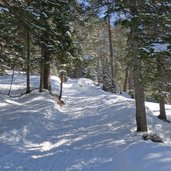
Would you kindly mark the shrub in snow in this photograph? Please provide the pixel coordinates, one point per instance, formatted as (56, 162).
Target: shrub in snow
(153, 137)
(131, 93)
(109, 85)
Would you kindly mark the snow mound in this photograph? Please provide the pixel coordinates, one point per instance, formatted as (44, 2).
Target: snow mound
(86, 85)
(55, 81)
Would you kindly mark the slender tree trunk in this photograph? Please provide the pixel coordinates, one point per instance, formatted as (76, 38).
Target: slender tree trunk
(110, 47)
(139, 89)
(47, 73)
(125, 80)
(28, 62)
(130, 80)
(45, 69)
(75, 73)
(162, 114)
(98, 64)
(61, 86)
(28, 58)
(139, 97)
(42, 70)
(13, 72)
(98, 69)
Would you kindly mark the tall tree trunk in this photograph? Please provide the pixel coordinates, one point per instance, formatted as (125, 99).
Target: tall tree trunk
(130, 80)
(110, 47)
(139, 97)
(125, 80)
(61, 86)
(45, 63)
(28, 62)
(139, 89)
(12, 78)
(162, 114)
(98, 64)
(110, 41)
(42, 70)
(47, 70)
(28, 58)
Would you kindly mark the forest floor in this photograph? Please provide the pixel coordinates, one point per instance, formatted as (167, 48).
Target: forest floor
(93, 131)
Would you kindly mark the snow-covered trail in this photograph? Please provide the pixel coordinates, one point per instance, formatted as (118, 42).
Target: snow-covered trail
(35, 136)
(93, 131)
(89, 131)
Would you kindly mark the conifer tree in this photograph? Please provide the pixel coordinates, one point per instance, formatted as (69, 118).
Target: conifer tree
(46, 25)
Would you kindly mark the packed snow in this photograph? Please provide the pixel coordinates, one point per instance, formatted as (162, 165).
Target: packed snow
(93, 131)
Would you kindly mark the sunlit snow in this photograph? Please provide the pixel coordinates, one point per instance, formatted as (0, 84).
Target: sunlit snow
(93, 131)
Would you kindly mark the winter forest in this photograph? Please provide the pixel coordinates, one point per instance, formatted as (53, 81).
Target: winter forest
(85, 85)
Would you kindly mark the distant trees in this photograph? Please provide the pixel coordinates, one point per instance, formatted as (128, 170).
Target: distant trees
(96, 40)
(11, 35)
(146, 25)
(155, 49)
(38, 32)
(133, 46)
(118, 43)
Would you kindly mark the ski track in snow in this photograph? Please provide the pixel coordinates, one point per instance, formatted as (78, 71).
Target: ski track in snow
(91, 132)
(79, 137)
(90, 123)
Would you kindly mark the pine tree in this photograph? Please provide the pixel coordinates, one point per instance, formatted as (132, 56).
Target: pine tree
(11, 44)
(155, 46)
(50, 25)
(46, 25)
(137, 67)
(20, 34)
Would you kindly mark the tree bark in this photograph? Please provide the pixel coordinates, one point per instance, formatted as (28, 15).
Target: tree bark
(28, 58)
(130, 80)
(28, 62)
(47, 72)
(139, 89)
(61, 86)
(98, 69)
(13, 72)
(162, 114)
(45, 69)
(110, 47)
(139, 97)
(125, 80)
(42, 70)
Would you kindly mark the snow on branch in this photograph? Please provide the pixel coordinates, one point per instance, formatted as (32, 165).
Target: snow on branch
(159, 47)
(2, 10)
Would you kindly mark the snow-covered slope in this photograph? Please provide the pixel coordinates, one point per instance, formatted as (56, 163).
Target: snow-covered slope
(93, 131)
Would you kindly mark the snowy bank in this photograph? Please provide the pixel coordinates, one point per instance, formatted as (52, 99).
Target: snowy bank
(93, 131)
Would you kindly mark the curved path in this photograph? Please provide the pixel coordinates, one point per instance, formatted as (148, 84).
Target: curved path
(86, 134)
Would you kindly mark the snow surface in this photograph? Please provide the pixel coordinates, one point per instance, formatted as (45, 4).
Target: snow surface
(93, 131)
